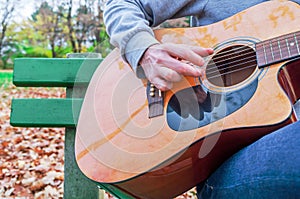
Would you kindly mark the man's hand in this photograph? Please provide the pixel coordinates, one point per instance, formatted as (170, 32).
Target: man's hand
(162, 63)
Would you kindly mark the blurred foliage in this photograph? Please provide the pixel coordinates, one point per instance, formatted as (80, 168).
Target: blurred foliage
(175, 23)
(55, 28)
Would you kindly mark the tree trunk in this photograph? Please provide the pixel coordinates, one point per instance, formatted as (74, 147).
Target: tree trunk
(70, 26)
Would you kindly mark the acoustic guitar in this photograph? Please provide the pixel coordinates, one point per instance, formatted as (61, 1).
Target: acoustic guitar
(139, 142)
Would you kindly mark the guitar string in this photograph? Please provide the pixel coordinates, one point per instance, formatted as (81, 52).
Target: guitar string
(217, 68)
(243, 55)
(283, 38)
(243, 49)
(244, 58)
(230, 72)
(231, 66)
(156, 110)
(292, 36)
(234, 51)
(230, 61)
(214, 68)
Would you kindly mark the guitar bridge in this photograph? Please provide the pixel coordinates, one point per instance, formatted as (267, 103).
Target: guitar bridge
(155, 101)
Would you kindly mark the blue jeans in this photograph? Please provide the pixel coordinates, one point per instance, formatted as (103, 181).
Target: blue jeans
(269, 168)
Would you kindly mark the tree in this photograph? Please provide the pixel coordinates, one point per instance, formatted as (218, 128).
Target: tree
(7, 8)
(84, 23)
(69, 6)
(27, 42)
(49, 22)
(86, 29)
(55, 28)
(101, 42)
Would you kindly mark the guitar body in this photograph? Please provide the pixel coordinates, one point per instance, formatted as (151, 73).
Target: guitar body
(119, 146)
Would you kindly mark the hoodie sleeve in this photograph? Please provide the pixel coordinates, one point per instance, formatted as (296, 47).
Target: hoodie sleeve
(129, 23)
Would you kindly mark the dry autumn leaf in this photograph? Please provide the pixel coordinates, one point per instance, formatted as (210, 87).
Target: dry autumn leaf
(32, 159)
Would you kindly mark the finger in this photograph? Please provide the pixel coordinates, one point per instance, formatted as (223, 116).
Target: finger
(182, 68)
(169, 74)
(192, 54)
(202, 51)
(162, 84)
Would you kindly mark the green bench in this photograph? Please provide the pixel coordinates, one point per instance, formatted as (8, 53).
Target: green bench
(73, 74)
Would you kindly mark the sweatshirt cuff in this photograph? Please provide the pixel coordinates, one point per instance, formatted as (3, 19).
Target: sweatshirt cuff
(135, 49)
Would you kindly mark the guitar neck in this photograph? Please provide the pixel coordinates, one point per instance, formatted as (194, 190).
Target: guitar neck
(278, 49)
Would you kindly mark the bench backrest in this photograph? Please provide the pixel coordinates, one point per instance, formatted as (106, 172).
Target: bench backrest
(73, 74)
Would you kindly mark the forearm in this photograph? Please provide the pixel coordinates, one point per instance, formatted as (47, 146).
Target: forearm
(129, 23)
(129, 29)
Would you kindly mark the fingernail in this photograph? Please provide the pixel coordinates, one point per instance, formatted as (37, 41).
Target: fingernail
(210, 50)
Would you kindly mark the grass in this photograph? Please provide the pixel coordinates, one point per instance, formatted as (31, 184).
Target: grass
(5, 77)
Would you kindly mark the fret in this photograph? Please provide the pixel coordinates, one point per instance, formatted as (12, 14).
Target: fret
(288, 46)
(284, 47)
(260, 54)
(275, 49)
(292, 45)
(265, 54)
(297, 44)
(279, 48)
(271, 48)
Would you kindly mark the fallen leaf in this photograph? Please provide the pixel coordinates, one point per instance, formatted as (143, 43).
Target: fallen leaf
(32, 159)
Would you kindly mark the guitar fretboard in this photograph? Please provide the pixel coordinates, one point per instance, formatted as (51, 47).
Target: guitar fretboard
(278, 49)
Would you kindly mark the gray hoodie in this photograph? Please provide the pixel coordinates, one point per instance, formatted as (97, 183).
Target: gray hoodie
(129, 22)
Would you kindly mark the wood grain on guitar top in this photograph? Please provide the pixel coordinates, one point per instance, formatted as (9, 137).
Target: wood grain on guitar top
(117, 144)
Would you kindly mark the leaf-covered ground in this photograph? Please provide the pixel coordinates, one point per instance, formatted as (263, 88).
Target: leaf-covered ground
(32, 159)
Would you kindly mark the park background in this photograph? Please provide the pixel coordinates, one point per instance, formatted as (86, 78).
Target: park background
(32, 159)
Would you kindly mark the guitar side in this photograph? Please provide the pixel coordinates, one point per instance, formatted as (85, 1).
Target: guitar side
(119, 146)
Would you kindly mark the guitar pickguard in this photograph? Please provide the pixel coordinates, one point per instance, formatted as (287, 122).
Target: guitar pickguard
(186, 110)
(244, 94)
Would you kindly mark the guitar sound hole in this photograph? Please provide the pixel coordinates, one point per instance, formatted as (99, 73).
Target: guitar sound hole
(231, 66)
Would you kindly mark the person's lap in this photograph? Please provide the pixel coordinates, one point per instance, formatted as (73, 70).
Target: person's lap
(268, 168)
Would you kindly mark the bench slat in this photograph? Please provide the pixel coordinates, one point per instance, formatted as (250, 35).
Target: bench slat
(58, 112)
(45, 112)
(55, 72)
